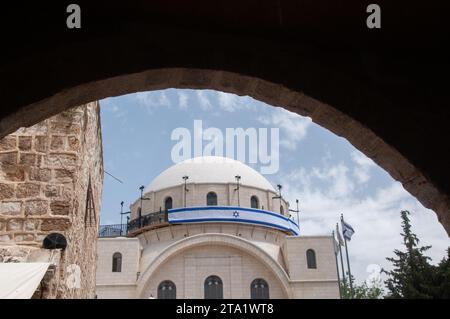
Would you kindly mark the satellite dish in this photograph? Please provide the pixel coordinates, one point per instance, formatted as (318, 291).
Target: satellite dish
(54, 241)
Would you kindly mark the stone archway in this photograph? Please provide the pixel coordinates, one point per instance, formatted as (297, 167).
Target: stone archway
(374, 89)
(363, 138)
(217, 240)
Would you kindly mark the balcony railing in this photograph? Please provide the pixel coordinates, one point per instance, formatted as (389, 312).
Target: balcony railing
(203, 214)
(112, 230)
(148, 220)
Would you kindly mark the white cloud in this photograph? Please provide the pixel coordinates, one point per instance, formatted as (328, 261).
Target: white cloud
(327, 191)
(182, 100)
(152, 100)
(292, 125)
(205, 103)
(361, 171)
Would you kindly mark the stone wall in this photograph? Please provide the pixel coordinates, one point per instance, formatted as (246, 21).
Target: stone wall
(45, 172)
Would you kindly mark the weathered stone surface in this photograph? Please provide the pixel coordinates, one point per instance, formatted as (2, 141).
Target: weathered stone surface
(8, 143)
(10, 208)
(28, 159)
(5, 238)
(57, 143)
(28, 190)
(74, 143)
(11, 173)
(61, 160)
(31, 224)
(64, 175)
(64, 127)
(35, 207)
(6, 191)
(14, 224)
(52, 191)
(19, 237)
(40, 174)
(9, 158)
(58, 207)
(55, 224)
(40, 144)
(43, 191)
(25, 143)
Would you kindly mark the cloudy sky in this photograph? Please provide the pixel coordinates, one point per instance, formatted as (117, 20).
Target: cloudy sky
(325, 172)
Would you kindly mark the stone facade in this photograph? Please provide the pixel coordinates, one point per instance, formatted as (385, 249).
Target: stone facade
(238, 254)
(48, 173)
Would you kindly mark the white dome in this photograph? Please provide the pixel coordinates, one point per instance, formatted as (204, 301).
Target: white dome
(209, 169)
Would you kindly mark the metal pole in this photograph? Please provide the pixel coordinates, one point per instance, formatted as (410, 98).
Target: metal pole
(185, 189)
(337, 265)
(348, 261)
(140, 210)
(121, 215)
(238, 178)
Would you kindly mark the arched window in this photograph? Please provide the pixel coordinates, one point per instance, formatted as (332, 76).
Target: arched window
(259, 289)
(167, 290)
(211, 199)
(213, 288)
(117, 262)
(311, 259)
(168, 203)
(254, 202)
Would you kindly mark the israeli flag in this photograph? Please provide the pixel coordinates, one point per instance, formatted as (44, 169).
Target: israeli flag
(347, 231)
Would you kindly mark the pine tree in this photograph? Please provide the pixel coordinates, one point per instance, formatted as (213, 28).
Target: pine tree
(442, 278)
(412, 276)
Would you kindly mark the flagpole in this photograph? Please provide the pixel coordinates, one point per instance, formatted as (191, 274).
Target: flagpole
(340, 254)
(337, 265)
(348, 260)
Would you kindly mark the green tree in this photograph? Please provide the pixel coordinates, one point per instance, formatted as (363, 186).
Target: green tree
(412, 276)
(442, 278)
(363, 291)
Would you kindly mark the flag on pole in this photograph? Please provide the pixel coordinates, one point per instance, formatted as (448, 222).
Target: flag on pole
(339, 237)
(347, 230)
(336, 245)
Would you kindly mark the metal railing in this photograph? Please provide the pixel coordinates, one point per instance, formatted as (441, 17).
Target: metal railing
(112, 230)
(133, 225)
(148, 220)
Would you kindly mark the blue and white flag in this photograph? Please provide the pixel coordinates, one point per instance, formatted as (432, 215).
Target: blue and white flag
(347, 231)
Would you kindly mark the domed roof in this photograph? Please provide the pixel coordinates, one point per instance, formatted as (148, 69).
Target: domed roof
(209, 169)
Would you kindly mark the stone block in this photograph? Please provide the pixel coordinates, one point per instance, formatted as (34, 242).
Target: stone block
(52, 191)
(25, 143)
(6, 191)
(23, 237)
(35, 207)
(8, 143)
(40, 144)
(14, 224)
(57, 143)
(55, 224)
(12, 173)
(27, 190)
(40, 174)
(5, 238)
(31, 224)
(28, 159)
(10, 208)
(59, 207)
(61, 160)
(59, 127)
(9, 158)
(64, 175)
(74, 143)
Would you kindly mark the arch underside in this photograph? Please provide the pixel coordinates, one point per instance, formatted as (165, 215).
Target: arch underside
(390, 106)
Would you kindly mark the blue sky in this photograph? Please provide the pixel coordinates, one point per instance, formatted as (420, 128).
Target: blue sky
(325, 172)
